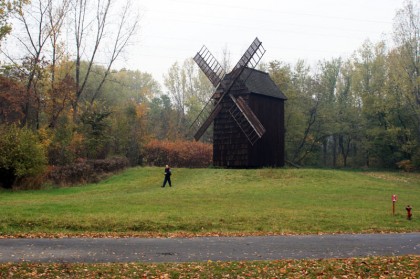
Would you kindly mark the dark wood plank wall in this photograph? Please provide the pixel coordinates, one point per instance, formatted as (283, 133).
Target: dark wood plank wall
(230, 146)
(269, 150)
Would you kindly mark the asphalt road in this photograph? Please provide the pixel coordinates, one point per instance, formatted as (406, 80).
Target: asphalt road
(98, 250)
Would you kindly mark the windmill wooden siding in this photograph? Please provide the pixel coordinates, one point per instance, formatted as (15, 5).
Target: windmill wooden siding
(231, 148)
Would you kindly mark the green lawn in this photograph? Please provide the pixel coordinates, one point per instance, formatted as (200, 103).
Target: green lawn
(205, 201)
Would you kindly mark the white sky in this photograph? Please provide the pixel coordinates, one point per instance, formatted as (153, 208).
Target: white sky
(312, 30)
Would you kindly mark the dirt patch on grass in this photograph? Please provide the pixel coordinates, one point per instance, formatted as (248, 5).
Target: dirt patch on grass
(395, 177)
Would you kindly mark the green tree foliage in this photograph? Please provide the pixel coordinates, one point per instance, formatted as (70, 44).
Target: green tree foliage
(405, 66)
(301, 116)
(96, 130)
(189, 90)
(129, 131)
(327, 81)
(352, 113)
(21, 154)
(162, 118)
(136, 86)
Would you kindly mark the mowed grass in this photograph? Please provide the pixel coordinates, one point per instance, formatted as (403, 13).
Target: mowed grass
(219, 201)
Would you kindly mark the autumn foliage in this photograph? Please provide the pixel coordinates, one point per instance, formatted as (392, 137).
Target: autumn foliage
(178, 153)
(12, 101)
(371, 267)
(406, 165)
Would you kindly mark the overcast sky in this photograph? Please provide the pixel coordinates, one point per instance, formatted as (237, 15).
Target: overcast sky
(312, 30)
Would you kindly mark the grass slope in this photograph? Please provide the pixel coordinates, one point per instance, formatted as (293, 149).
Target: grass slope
(205, 201)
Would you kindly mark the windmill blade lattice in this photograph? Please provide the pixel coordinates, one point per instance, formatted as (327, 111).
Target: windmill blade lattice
(212, 69)
(210, 66)
(250, 58)
(246, 120)
(215, 73)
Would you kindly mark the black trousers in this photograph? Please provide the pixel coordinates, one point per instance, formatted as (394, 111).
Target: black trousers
(167, 179)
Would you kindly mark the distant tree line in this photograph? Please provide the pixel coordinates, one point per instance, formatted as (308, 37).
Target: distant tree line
(359, 112)
(59, 99)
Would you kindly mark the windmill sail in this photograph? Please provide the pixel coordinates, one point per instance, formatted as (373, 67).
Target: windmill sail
(246, 120)
(213, 70)
(240, 111)
(250, 58)
(210, 66)
(215, 73)
(204, 120)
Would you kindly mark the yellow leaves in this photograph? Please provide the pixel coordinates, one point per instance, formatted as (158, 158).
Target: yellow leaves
(141, 110)
(45, 137)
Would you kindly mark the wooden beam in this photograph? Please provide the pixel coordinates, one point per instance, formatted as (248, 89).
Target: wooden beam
(207, 123)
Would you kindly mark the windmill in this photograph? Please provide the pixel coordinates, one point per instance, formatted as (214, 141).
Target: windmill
(229, 108)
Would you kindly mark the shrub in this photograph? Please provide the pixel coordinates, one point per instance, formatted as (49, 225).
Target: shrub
(86, 171)
(406, 165)
(77, 173)
(178, 153)
(21, 155)
(110, 165)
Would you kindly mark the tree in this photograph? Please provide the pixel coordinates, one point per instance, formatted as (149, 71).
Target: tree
(327, 97)
(407, 37)
(189, 90)
(11, 101)
(129, 133)
(347, 114)
(96, 130)
(178, 85)
(161, 116)
(306, 125)
(91, 33)
(367, 84)
(40, 22)
(7, 8)
(125, 84)
(21, 154)
(405, 60)
(33, 19)
(59, 87)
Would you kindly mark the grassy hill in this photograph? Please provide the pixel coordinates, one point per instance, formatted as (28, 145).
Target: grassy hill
(206, 201)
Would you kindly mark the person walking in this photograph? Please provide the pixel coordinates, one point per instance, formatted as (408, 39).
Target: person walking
(167, 176)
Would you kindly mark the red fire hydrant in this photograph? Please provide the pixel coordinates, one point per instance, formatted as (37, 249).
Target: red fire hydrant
(409, 214)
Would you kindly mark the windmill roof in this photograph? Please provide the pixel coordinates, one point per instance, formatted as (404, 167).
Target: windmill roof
(261, 83)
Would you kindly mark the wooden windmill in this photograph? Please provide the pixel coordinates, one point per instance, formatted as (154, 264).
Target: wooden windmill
(247, 109)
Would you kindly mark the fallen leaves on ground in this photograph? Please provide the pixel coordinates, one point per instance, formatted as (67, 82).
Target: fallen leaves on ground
(372, 267)
(136, 234)
(160, 235)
